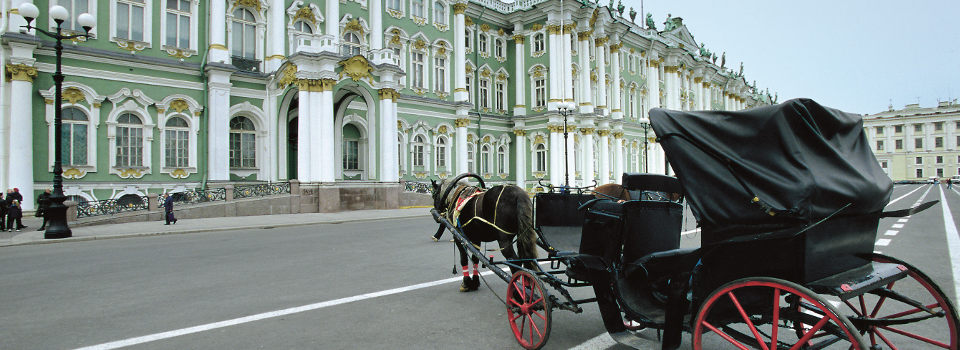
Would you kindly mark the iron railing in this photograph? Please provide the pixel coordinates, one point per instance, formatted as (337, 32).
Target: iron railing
(418, 187)
(110, 207)
(260, 190)
(198, 196)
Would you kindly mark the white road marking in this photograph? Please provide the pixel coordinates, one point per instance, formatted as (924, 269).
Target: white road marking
(883, 242)
(908, 193)
(953, 242)
(897, 226)
(891, 232)
(903, 220)
(601, 341)
(684, 233)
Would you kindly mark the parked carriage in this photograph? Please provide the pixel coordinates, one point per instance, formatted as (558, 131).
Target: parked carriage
(788, 198)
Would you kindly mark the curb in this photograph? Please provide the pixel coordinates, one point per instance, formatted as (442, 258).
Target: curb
(212, 229)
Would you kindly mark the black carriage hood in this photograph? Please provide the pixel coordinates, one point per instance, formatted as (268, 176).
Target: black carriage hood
(792, 163)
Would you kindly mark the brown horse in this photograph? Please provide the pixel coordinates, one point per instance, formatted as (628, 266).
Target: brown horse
(612, 191)
(502, 213)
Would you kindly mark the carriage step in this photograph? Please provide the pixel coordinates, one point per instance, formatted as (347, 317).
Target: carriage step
(860, 280)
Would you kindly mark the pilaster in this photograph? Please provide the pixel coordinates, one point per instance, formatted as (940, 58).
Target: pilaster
(520, 155)
(459, 53)
(21, 163)
(218, 137)
(461, 125)
(586, 95)
(218, 32)
(615, 109)
(519, 81)
(604, 171)
(601, 74)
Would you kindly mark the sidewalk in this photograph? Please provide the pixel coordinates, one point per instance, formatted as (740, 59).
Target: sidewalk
(30, 236)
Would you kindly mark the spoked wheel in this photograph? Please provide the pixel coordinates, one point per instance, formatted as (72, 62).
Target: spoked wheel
(911, 313)
(769, 313)
(528, 310)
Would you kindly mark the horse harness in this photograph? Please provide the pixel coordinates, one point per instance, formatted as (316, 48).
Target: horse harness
(463, 197)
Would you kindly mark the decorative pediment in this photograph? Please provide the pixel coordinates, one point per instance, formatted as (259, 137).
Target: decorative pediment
(356, 67)
(179, 103)
(298, 11)
(135, 94)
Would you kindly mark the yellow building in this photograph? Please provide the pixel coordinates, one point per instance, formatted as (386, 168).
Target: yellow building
(916, 143)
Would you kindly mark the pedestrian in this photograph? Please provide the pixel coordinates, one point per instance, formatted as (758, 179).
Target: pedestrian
(14, 195)
(168, 209)
(4, 206)
(43, 203)
(14, 214)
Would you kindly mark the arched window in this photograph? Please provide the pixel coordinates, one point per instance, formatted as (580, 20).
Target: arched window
(351, 147)
(466, 40)
(419, 75)
(440, 73)
(471, 158)
(176, 146)
(351, 44)
(418, 144)
(243, 143)
(130, 201)
(498, 48)
(401, 158)
(244, 34)
(301, 31)
(129, 141)
(74, 137)
(539, 92)
(501, 160)
(540, 152)
(484, 93)
(485, 155)
(416, 8)
(538, 44)
(441, 152)
(500, 96)
(483, 43)
(439, 13)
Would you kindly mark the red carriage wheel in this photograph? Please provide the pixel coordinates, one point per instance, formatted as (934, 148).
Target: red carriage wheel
(769, 313)
(528, 310)
(928, 321)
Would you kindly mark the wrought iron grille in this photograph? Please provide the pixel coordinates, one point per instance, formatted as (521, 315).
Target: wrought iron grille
(260, 190)
(109, 207)
(199, 196)
(246, 64)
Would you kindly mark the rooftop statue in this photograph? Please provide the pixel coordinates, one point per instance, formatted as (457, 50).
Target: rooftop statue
(620, 7)
(723, 60)
(714, 58)
(650, 24)
(633, 15)
(741, 70)
(703, 51)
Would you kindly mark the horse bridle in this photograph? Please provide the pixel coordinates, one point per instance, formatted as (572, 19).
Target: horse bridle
(438, 202)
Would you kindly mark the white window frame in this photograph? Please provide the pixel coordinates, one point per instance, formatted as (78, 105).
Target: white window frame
(134, 102)
(259, 32)
(440, 77)
(483, 43)
(418, 151)
(164, 138)
(484, 91)
(256, 144)
(442, 153)
(418, 69)
(500, 93)
(418, 5)
(540, 159)
(74, 12)
(503, 162)
(395, 5)
(440, 13)
(486, 159)
(147, 25)
(194, 27)
(538, 44)
(90, 105)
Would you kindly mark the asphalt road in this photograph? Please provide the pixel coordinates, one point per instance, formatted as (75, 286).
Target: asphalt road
(379, 284)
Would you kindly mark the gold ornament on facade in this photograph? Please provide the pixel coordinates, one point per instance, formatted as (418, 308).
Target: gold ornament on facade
(553, 29)
(570, 128)
(536, 27)
(131, 173)
(255, 4)
(178, 174)
(354, 26)
(519, 38)
(502, 76)
(288, 76)
(486, 139)
(72, 95)
(179, 105)
(587, 131)
(469, 137)
(520, 132)
(601, 41)
(603, 132)
(48, 101)
(538, 139)
(500, 32)
(593, 18)
(399, 126)
(538, 72)
(419, 44)
(305, 14)
(442, 129)
(21, 72)
(388, 93)
(583, 36)
(468, 21)
(615, 47)
(356, 67)
(568, 28)
(484, 27)
(461, 122)
(73, 173)
(485, 73)
(459, 8)
(618, 134)
(670, 69)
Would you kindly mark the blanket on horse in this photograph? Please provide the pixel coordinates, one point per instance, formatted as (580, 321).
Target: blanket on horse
(480, 208)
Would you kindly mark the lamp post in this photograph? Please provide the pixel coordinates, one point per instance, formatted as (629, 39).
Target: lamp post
(646, 125)
(56, 214)
(565, 109)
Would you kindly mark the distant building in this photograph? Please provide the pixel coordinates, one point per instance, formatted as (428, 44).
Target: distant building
(916, 143)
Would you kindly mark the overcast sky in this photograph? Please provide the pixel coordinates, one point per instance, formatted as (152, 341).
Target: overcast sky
(855, 55)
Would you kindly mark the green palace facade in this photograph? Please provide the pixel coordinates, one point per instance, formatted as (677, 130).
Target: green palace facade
(177, 94)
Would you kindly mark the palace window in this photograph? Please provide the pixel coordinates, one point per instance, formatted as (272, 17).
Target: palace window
(879, 145)
(879, 130)
(416, 8)
(441, 152)
(129, 141)
(938, 126)
(75, 8)
(898, 144)
(351, 44)
(177, 24)
(918, 143)
(539, 92)
(484, 93)
(469, 88)
(439, 13)
(74, 137)
(540, 152)
(485, 154)
(176, 146)
(301, 30)
(483, 43)
(418, 144)
(130, 19)
(244, 34)
(440, 73)
(396, 5)
(501, 160)
(243, 143)
(351, 147)
(471, 158)
(898, 129)
(498, 47)
(538, 44)
(939, 159)
(920, 173)
(918, 127)
(938, 142)
(418, 67)
(500, 93)
(919, 161)
(466, 40)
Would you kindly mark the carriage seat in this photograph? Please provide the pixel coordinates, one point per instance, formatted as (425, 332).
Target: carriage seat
(559, 221)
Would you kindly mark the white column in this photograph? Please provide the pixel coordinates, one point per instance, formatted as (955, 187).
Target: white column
(604, 172)
(326, 158)
(588, 154)
(20, 164)
(303, 132)
(388, 136)
(461, 123)
(217, 28)
(275, 30)
(601, 75)
(520, 155)
(617, 112)
(218, 136)
(520, 79)
(586, 93)
(332, 31)
(317, 160)
(556, 66)
(459, 53)
(376, 25)
(618, 156)
(707, 96)
(653, 84)
(556, 155)
(566, 64)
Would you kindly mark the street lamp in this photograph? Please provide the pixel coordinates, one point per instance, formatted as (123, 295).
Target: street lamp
(566, 108)
(56, 214)
(646, 125)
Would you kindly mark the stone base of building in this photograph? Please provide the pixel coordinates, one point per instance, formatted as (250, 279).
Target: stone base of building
(325, 198)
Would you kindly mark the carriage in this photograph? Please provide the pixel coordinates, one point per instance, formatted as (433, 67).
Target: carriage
(786, 258)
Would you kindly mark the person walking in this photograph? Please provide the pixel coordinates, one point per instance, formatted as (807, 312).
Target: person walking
(168, 209)
(14, 195)
(14, 214)
(4, 206)
(43, 203)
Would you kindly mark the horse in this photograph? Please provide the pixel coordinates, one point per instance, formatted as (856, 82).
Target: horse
(612, 191)
(501, 213)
